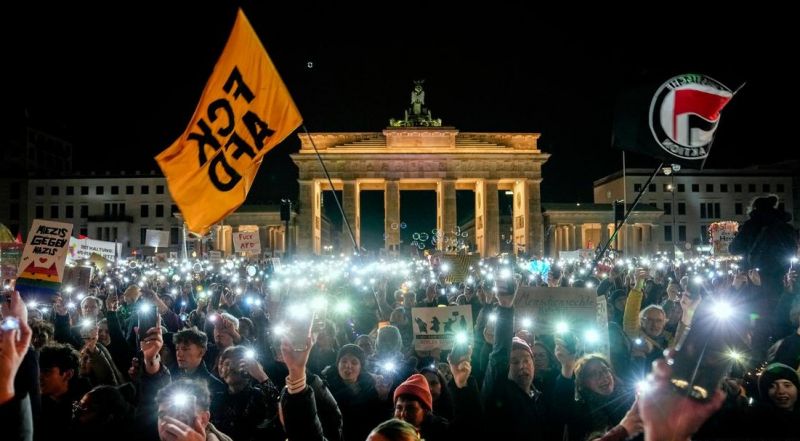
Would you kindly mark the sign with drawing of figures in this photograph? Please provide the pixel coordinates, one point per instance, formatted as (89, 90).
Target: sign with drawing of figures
(438, 327)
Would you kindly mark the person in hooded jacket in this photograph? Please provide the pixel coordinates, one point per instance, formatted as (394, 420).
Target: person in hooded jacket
(777, 416)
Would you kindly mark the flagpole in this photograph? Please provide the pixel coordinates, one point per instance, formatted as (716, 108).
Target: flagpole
(628, 212)
(711, 144)
(330, 182)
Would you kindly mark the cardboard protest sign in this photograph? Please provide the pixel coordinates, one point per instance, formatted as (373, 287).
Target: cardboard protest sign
(78, 277)
(157, 238)
(246, 242)
(41, 268)
(721, 235)
(10, 254)
(437, 327)
(576, 310)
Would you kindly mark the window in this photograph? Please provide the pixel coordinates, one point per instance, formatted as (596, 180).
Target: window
(174, 209)
(84, 190)
(709, 188)
(667, 207)
(765, 188)
(159, 210)
(99, 190)
(122, 208)
(682, 233)
(39, 191)
(84, 230)
(710, 210)
(737, 188)
(637, 187)
(667, 187)
(100, 233)
(114, 232)
(145, 189)
(70, 212)
(174, 235)
(703, 233)
(738, 209)
(145, 210)
(54, 212)
(667, 233)
(681, 208)
(84, 211)
(54, 191)
(159, 189)
(106, 210)
(14, 190)
(751, 188)
(779, 188)
(39, 212)
(723, 188)
(115, 189)
(142, 235)
(13, 211)
(651, 188)
(695, 188)
(681, 188)
(70, 190)
(129, 189)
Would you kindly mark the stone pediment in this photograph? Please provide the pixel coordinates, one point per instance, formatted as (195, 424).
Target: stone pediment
(419, 139)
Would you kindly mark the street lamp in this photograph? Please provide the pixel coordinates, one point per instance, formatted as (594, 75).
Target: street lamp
(670, 171)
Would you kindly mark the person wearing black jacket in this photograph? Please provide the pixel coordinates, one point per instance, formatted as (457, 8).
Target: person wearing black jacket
(510, 401)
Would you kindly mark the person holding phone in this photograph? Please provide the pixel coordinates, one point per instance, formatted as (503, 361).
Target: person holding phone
(510, 400)
(184, 413)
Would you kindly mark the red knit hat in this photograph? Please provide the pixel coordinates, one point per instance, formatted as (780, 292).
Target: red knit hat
(416, 386)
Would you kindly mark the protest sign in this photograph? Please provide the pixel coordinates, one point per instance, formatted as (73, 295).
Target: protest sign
(437, 327)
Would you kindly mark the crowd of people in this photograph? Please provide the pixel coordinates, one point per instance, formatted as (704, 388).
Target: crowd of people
(324, 350)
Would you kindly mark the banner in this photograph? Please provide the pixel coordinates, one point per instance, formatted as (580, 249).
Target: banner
(215, 256)
(41, 268)
(673, 120)
(458, 266)
(246, 242)
(721, 235)
(80, 249)
(156, 238)
(437, 327)
(244, 112)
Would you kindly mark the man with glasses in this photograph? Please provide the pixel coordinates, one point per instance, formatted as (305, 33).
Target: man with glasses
(649, 345)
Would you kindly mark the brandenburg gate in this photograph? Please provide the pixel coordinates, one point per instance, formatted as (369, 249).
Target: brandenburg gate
(417, 153)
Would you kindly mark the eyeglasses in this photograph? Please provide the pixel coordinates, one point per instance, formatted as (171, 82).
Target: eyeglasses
(78, 409)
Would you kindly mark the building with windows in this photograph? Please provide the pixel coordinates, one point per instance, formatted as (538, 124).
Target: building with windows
(117, 207)
(693, 199)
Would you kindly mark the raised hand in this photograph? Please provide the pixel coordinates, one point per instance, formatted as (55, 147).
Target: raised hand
(254, 369)
(14, 343)
(151, 345)
(171, 429)
(460, 367)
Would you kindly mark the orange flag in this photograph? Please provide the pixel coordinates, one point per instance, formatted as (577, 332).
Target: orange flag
(244, 112)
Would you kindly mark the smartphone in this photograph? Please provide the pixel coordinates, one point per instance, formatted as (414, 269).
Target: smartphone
(298, 332)
(184, 409)
(701, 360)
(148, 317)
(9, 324)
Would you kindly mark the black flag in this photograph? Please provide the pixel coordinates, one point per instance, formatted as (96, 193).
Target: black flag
(673, 121)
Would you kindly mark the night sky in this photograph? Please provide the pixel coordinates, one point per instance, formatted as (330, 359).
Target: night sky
(124, 86)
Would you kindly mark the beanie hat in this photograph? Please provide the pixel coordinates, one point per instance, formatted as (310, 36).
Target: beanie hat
(355, 351)
(417, 387)
(776, 371)
(518, 343)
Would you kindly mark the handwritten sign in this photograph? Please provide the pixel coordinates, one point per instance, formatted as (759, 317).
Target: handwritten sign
(84, 248)
(246, 242)
(721, 235)
(42, 265)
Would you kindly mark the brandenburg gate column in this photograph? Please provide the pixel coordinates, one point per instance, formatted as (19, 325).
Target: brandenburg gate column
(480, 217)
(310, 237)
(535, 219)
(492, 223)
(351, 204)
(445, 210)
(391, 210)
